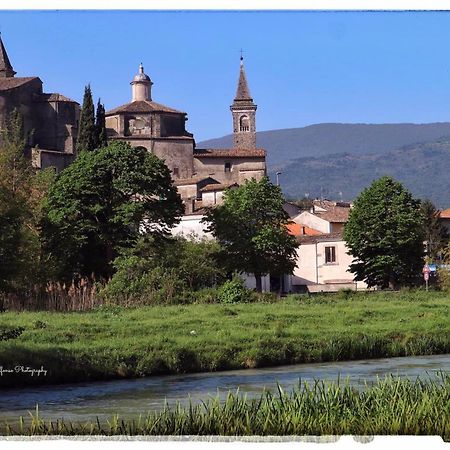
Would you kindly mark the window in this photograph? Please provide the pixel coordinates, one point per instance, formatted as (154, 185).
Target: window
(176, 172)
(227, 167)
(330, 255)
(244, 123)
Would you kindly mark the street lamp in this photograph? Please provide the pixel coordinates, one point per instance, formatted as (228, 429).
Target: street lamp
(278, 177)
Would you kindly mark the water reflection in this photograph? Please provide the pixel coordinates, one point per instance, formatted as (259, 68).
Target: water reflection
(128, 398)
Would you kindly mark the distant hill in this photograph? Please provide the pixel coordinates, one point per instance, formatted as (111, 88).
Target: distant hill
(331, 138)
(423, 168)
(331, 158)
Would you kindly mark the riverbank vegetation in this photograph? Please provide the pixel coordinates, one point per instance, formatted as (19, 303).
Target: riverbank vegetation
(391, 406)
(117, 342)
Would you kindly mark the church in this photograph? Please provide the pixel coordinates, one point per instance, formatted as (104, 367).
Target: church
(50, 119)
(200, 174)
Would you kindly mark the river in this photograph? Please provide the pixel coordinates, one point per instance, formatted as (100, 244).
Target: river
(129, 398)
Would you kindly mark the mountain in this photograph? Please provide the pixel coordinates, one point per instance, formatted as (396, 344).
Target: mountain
(423, 168)
(338, 160)
(332, 138)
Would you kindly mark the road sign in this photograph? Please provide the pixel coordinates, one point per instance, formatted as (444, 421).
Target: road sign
(426, 269)
(426, 276)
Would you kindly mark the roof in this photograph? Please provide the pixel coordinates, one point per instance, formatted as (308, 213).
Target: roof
(329, 237)
(229, 153)
(242, 92)
(142, 106)
(5, 65)
(55, 97)
(217, 187)
(12, 83)
(336, 214)
(298, 229)
(192, 180)
(445, 214)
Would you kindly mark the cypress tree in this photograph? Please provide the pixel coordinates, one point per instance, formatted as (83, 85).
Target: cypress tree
(87, 133)
(100, 126)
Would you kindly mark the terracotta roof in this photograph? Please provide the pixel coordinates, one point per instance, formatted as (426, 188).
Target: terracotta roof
(298, 229)
(329, 237)
(336, 214)
(11, 83)
(55, 97)
(229, 153)
(217, 187)
(142, 106)
(445, 214)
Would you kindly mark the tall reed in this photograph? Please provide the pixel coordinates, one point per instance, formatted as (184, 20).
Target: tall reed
(392, 406)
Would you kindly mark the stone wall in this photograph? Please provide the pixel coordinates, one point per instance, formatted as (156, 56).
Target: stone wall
(241, 168)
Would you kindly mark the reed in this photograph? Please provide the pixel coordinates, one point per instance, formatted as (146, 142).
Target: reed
(391, 406)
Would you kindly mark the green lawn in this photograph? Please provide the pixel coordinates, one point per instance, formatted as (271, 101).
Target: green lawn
(118, 342)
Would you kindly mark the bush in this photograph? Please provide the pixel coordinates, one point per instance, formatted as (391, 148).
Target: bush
(443, 276)
(234, 291)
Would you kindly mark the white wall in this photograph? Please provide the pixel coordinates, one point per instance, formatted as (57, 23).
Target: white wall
(311, 267)
(191, 226)
(310, 220)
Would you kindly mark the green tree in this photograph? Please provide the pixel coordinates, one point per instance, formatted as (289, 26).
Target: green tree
(100, 125)
(15, 168)
(250, 226)
(102, 203)
(87, 131)
(436, 236)
(385, 235)
(21, 196)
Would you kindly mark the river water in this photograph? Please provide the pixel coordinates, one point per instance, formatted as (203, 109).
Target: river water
(129, 398)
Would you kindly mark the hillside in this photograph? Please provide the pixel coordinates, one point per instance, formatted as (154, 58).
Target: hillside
(423, 168)
(330, 158)
(333, 138)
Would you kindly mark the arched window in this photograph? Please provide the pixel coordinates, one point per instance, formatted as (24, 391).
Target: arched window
(244, 123)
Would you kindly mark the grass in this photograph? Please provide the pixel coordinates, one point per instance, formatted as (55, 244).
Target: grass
(391, 407)
(108, 343)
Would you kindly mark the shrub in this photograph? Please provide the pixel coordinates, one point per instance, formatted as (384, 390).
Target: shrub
(234, 291)
(444, 279)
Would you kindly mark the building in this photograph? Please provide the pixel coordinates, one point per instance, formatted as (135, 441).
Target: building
(444, 218)
(50, 119)
(322, 259)
(201, 175)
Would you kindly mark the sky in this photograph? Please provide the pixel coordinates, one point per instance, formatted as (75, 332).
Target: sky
(302, 67)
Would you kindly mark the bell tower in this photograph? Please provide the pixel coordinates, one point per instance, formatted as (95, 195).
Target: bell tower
(243, 111)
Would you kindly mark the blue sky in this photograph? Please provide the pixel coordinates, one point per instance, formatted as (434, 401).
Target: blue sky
(303, 67)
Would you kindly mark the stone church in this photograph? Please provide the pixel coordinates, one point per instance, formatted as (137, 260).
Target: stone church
(201, 175)
(50, 119)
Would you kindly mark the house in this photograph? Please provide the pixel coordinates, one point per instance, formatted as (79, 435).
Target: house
(444, 217)
(322, 259)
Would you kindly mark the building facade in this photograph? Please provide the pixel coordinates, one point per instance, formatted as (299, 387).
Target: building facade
(50, 119)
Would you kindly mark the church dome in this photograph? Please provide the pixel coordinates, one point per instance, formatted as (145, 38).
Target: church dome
(141, 76)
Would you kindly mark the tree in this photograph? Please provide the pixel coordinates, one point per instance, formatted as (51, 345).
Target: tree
(100, 125)
(21, 196)
(102, 203)
(436, 236)
(87, 131)
(250, 226)
(385, 235)
(15, 168)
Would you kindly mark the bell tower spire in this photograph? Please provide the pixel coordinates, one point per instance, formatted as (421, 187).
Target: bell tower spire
(6, 69)
(243, 111)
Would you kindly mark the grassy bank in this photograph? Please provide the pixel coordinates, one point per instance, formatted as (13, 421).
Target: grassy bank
(119, 342)
(390, 407)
